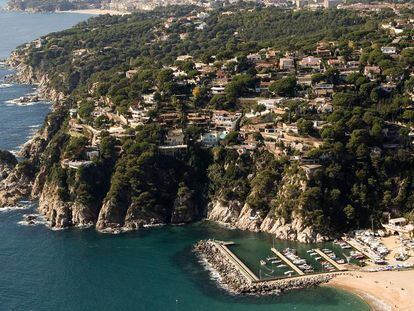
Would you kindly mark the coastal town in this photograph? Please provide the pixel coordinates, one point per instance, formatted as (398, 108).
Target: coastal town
(282, 107)
(252, 116)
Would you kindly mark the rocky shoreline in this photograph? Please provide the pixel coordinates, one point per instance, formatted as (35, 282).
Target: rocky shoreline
(26, 74)
(236, 283)
(21, 182)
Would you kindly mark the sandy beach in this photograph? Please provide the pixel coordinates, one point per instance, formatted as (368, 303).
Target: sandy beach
(96, 12)
(388, 290)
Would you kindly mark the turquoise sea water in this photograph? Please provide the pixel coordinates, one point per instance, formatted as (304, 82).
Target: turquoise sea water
(151, 270)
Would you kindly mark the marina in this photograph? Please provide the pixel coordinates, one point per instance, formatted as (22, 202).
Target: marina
(287, 261)
(330, 260)
(285, 264)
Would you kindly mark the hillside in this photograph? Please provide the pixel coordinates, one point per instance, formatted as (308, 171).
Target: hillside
(294, 123)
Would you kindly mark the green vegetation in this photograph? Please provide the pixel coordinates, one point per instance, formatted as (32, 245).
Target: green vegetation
(363, 147)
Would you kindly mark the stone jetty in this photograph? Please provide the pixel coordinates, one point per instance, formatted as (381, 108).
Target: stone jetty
(236, 281)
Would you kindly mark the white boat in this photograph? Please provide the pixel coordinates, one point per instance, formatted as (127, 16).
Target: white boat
(289, 272)
(262, 262)
(282, 266)
(318, 258)
(299, 262)
(313, 254)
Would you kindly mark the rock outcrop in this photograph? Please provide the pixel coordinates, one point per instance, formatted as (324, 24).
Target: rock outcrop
(16, 186)
(7, 163)
(282, 221)
(185, 208)
(57, 211)
(26, 74)
(60, 212)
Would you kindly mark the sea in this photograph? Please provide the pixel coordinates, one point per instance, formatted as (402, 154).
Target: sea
(149, 270)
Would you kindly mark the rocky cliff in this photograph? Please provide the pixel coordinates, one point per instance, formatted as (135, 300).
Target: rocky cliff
(26, 74)
(25, 179)
(284, 219)
(7, 164)
(17, 185)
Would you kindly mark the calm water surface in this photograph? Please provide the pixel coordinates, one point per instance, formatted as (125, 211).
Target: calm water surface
(83, 270)
(17, 123)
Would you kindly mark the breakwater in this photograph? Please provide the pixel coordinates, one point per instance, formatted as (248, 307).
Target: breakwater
(237, 281)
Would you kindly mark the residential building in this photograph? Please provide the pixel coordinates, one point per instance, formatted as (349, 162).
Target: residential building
(286, 63)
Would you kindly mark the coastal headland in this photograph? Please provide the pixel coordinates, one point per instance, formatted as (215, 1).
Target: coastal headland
(148, 131)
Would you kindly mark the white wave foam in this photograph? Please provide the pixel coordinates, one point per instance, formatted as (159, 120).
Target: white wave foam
(13, 102)
(23, 206)
(153, 225)
(18, 102)
(214, 274)
(32, 220)
(86, 226)
(56, 229)
(14, 152)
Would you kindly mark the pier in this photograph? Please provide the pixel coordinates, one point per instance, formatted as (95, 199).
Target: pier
(287, 261)
(248, 274)
(361, 248)
(241, 280)
(330, 260)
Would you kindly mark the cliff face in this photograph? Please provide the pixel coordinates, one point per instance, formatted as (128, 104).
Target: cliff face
(281, 220)
(25, 180)
(13, 182)
(57, 212)
(288, 223)
(61, 213)
(16, 186)
(26, 74)
(7, 164)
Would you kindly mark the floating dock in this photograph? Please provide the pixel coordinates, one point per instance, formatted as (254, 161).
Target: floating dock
(287, 261)
(330, 260)
(236, 261)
